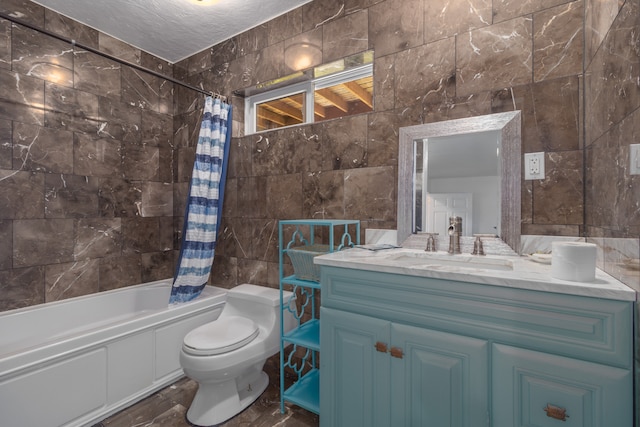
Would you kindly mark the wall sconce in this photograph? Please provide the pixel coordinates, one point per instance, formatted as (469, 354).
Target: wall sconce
(300, 56)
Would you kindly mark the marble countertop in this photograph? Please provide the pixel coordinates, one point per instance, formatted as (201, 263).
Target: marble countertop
(507, 271)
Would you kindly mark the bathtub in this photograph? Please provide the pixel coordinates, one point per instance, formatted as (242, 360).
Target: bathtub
(76, 361)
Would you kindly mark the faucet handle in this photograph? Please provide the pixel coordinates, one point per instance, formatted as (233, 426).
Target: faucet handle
(477, 246)
(431, 243)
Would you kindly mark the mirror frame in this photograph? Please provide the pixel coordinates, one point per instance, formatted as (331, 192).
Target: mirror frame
(509, 126)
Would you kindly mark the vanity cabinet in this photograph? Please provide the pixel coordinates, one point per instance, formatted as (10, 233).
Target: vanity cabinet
(299, 346)
(401, 350)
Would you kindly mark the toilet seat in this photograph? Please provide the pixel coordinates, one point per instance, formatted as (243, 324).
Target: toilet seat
(220, 336)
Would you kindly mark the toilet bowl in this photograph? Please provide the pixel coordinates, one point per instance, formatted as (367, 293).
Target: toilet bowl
(226, 356)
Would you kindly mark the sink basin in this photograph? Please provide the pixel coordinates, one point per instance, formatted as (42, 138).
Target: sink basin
(427, 259)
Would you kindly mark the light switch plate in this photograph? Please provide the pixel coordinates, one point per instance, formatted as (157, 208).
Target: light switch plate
(634, 156)
(533, 166)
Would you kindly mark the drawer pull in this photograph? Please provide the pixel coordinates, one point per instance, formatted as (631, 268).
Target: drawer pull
(381, 347)
(556, 412)
(396, 352)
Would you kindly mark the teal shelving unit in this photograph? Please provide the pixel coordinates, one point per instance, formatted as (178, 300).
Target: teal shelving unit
(299, 348)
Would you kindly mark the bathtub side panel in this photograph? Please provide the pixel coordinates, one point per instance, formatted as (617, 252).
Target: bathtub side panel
(129, 366)
(55, 393)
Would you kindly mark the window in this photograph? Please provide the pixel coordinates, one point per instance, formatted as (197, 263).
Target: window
(340, 88)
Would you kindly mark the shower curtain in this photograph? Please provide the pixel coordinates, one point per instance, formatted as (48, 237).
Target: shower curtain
(204, 205)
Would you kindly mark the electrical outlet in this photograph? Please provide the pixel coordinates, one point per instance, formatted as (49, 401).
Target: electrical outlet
(533, 166)
(634, 155)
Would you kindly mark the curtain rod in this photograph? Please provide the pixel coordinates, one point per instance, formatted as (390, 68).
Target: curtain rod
(108, 56)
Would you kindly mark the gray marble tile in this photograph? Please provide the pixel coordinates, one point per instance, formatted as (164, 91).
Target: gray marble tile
(118, 48)
(42, 149)
(482, 53)
(118, 197)
(370, 193)
(324, 194)
(384, 83)
(96, 74)
(26, 11)
(42, 242)
(22, 194)
(446, 18)
(313, 37)
(97, 238)
(70, 109)
(120, 120)
(252, 197)
(5, 44)
(141, 162)
(70, 279)
(157, 199)
(67, 27)
(21, 98)
(269, 63)
(345, 143)
(253, 40)
(118, 272)
(140, 235)
(345, 36)
(21, 287)
(6, 145)
(508, 9)
(252, 271)
(6, 249)
(381, 129)
(425, 74)
(70, 196)
(558, 38)
(96, 156)
(157, 265)
(156, 129)
(396, 25)
(598, 17)
(284, 26)
(284, 204)
(39, 55)
(319, 12)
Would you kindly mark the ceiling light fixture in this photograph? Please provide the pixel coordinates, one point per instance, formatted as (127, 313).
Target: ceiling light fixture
(300, 56)
(204, 2)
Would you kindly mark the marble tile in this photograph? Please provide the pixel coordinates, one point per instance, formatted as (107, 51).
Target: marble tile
(70, 280)
(41, 56)
(284, 26)
(6, 249)
(22, 194)
(252, 197)
(381, 129)
(96, 156)
(26, 11)
(21, 98)
(253, 40)
(120, 120)
(621, 259)
(319, 12)
(370, 193)
(313, 37)
(21, 287)
(598, 17)
(446, 18)
(284, 204)
(252, 271)
(323, 194)
(67, 27)
(70, 196)
(269, 63)
(384, 83)
(97, 238)
(95, 74)
(42, 242)
(157, 265)
(42, 149)
(425, 74)
(118, 272)
(118, 48)
(156, 129)
(345, 36)
(559, 198)
(5, 44)
(481, 56)
(558, 38)
(508, 9)
(395, 25)
(142, 90)
(72, 110)
(345, 143)
(142, 163)
(140, 235)
(118, 197)
(6, 145)
(157, 199)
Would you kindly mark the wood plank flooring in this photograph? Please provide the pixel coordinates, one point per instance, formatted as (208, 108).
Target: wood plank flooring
(168, 408)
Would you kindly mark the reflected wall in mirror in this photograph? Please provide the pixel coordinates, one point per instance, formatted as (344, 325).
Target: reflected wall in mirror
(465, 167)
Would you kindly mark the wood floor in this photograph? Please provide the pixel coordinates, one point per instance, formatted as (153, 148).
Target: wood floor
(168, 408)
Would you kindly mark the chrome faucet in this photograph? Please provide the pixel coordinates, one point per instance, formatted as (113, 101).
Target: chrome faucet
(431, 243)
(454, 230)
(477, 246)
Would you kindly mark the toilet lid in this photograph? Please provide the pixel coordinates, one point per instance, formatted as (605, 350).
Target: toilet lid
(220, 336)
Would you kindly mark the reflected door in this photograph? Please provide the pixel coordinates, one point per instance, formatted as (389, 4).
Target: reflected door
(441, 206)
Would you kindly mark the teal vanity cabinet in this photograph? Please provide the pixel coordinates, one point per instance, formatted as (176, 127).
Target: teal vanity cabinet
(402, 350)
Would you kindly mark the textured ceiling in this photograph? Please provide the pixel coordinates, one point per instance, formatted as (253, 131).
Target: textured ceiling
(172, 29)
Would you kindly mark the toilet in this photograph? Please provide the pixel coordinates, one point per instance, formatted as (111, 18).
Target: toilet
(226, 356)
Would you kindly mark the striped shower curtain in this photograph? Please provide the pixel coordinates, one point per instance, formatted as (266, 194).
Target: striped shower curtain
(204, 205)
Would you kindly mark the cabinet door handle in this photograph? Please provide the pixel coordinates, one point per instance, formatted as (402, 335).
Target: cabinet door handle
(396, 352)
(381, 347)
(556, 412)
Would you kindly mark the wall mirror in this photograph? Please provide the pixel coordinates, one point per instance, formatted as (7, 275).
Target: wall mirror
(472, 165)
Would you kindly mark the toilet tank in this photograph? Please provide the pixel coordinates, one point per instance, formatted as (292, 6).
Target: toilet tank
(260, 304)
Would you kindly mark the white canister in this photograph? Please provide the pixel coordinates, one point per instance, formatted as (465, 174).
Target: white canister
(575, 261)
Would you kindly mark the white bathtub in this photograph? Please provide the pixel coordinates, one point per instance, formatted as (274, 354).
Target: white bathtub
(74, 362)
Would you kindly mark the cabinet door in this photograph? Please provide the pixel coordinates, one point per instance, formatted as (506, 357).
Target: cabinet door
(543, 390)
(354, 376)
(441, 379)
